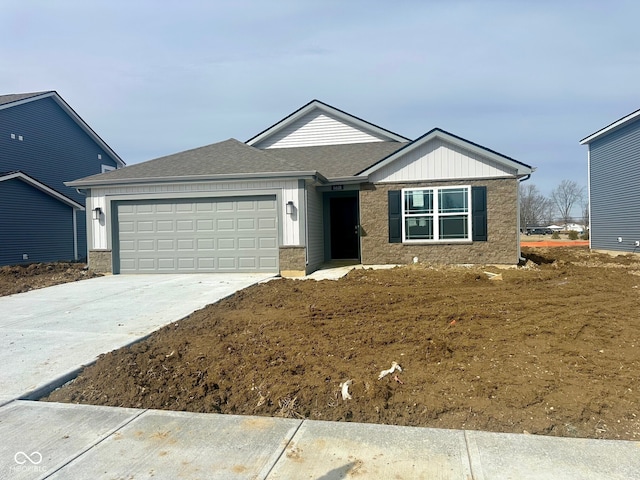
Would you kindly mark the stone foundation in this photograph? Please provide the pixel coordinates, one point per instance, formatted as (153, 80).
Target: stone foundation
(293, 261)
(100, 261)
(502, 246)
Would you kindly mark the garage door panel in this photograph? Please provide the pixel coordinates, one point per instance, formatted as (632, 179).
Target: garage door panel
(247, 243)
(266, 224)
(266, 205)
(205, 225)
(206, 263)
(206, 244)
(184, 226)
(246, 224)
(224, 206)
(226, 263)
(185, 207)
(146, 246)
(146, 264)
(127, 226)
(191, 235)
(144, 209)
(165, 226)
(186, 244)
(144, 226)
(225, 224)
(266, 243)
(166, 264)
(226, 244)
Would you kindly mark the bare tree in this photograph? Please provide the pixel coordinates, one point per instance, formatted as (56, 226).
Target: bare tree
(565, 196)
(535, 208)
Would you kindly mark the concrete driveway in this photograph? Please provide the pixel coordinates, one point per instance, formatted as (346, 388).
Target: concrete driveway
(47, 335)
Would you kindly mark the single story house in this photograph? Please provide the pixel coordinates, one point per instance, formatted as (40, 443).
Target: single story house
(318, 185)
(614, 185)
(43, 143)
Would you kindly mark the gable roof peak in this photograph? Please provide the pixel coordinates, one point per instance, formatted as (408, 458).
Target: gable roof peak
(341, 115)
(520, 168)
(16, 99)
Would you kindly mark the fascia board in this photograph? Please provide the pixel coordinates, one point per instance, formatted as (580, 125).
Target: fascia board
(42, 187)
(611, 127)
(198, 178)
(345, 180)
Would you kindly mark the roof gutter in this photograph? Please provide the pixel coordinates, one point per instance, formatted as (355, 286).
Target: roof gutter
(313, 175)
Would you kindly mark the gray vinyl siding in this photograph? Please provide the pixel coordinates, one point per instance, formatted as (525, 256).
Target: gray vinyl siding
(315, 226)
(33, 223)
(614, 184)
(53, 150)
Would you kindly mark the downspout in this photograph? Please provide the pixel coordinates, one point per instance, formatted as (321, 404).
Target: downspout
(523, 179)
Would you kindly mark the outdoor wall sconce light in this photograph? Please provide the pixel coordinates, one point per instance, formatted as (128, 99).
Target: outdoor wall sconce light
(290, 207)
(96, 213)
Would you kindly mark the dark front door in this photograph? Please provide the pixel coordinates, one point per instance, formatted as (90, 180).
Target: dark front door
(343, 212)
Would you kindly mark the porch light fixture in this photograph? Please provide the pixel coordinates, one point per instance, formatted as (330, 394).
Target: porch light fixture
(96, 213)
(290, 207)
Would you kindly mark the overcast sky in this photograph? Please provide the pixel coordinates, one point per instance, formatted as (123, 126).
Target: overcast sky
(526, 78)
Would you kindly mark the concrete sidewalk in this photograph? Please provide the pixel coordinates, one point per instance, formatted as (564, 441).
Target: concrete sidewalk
(49, 334)
(75, 442)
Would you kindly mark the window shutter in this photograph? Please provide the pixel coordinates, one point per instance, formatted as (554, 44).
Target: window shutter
(479, 213)
(395, 216)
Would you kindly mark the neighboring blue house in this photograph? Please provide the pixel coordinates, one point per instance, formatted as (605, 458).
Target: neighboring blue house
(44, 143)
(614, 185)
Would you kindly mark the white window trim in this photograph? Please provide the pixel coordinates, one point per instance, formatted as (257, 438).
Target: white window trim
(107, 168)
(436, 215)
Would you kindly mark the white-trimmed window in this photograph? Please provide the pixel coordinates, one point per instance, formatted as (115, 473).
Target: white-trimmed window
(436, 214)
(107, 168)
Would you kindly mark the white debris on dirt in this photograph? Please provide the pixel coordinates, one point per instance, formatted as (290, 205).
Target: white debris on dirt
(394, 367)
(345, 389)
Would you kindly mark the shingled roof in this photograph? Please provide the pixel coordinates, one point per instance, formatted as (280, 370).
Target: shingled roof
(234, 158)
(338, 161)
(227, 158)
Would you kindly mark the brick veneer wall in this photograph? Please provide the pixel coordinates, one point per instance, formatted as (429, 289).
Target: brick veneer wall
(100, 261)
(502, 227)
(292, 261)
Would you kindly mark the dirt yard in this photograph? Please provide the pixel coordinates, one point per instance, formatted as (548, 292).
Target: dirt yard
(22, 278)
(553, 349)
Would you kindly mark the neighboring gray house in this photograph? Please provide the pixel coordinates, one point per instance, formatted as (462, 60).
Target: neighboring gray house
(317, 186)
(614, 185)
(44, 143)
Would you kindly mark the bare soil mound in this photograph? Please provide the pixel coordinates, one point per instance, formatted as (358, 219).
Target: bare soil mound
(22, 278)
(552, 348)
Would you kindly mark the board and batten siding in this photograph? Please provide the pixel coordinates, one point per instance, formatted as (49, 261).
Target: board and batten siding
(286, 189)
(439, 160)
(315, 227)
(614, 188)
(33, 223)
(317, 128)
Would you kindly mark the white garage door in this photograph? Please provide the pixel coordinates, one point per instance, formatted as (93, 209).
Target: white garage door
(238, 234)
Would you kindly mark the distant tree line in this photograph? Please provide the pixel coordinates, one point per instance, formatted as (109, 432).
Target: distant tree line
(559, 207)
